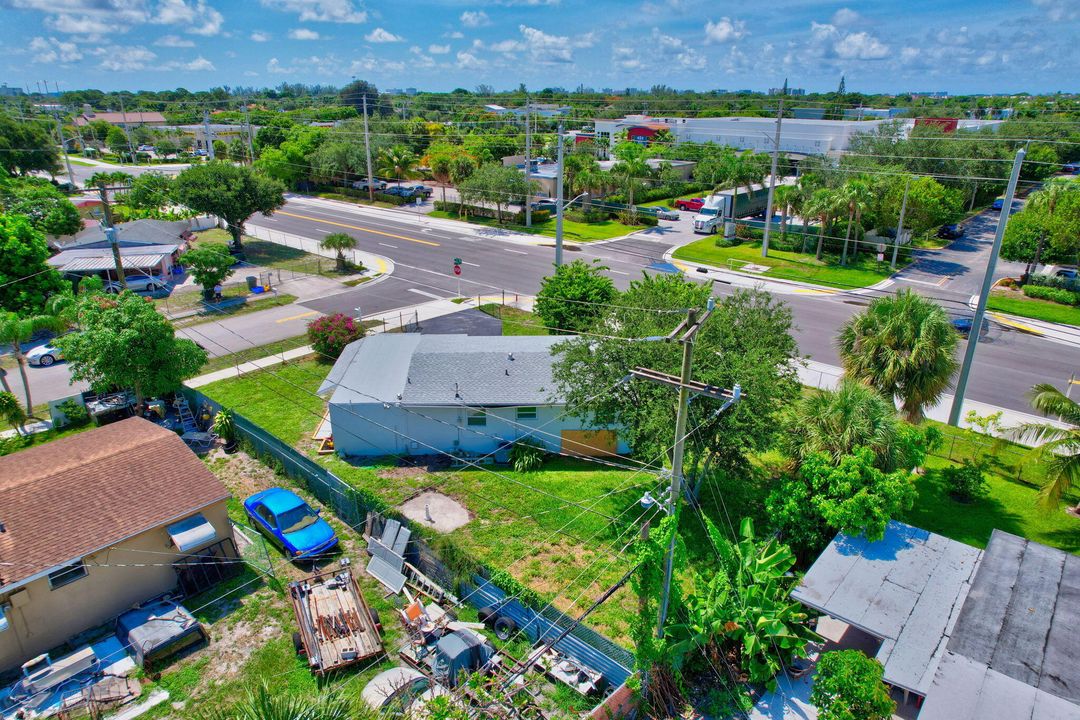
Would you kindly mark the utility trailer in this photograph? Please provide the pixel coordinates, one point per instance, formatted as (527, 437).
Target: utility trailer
(337, 628)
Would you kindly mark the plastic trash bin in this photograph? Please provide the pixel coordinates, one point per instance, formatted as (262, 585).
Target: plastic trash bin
(252, 281)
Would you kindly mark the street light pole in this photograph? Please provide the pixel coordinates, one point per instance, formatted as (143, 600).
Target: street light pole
(772, 174)
(900, 225)
(110, 235)
(528, 164)
(63, 146)
(984, 294)
(559, 203)
(367, 153)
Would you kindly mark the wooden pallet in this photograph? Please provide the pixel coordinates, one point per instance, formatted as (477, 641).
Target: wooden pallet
(336, 626)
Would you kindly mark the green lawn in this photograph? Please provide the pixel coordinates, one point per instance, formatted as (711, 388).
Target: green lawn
(863, 271)
(81, 163)
(233, 359)
(1016, 303)
(349, 198)
(272, 255)
(251, 306)
(15, 444)
(580, 232)
(515, 321)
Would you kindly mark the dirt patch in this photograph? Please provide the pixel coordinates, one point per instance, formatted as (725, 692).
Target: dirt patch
(405, 471)
(242, 474)
(437, 511)
(231, 646)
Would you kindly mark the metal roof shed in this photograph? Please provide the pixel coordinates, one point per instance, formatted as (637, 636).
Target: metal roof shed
(905, 589)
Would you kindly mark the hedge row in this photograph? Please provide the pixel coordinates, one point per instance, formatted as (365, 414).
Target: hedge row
(1055, 282)
(1058, 295)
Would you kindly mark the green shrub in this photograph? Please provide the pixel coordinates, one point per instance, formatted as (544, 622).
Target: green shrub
(527, 454)
(966, 482)
(391, 199)
(331, 333)
(723, 242)
(647, 219)
(1055, 282)
(848, 685)
(75, 414)
(510, 585)
(590, 216)
(1058, 295)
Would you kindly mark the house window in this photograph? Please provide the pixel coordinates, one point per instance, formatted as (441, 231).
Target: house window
(67, 575)
(526, 413)
(476, 418)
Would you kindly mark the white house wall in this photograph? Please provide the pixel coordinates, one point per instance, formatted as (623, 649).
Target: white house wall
(373, 430)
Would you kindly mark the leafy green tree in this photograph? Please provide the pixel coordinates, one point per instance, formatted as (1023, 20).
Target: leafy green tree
(272, 135)
(109, 178)
(848, 685)
(355, 93)
(26, 147)
(149, 191)
(573, 297)
(167, 146)
(836, 422)
(40, 202)
(494, 184)
(1051, 215)
(747, 340)
(17, 329)
(209, 265)
(743, 608)
(441, 157)
(825, 497)
(630, 172)
(290, 162)
(12, 412)
(904, 346)
(117, 142)
(26, 280)
(1059, 448)
(232, 192)
(339, 242)
(335, 161)
(124, 342)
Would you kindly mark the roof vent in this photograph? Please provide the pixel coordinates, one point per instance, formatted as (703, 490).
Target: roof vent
(457, 394)
(507, 371)
(510, 356)
(399, 396)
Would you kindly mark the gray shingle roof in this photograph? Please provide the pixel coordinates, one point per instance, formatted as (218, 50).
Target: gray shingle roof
(426, 370)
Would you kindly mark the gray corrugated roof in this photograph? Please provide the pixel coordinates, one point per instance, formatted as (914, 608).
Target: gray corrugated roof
(905, 588)
(145, 231)
(444, 370)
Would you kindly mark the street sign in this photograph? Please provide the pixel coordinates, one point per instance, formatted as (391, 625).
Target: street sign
(457, 261)
(457, 269)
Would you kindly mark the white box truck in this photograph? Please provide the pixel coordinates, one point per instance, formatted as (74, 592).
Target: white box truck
(717, 211)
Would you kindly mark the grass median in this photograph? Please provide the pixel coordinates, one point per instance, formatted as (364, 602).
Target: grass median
(1016, 303)
(578, 231)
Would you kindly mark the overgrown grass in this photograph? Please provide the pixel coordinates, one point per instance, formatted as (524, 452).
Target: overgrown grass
(272, 255)
(864, 270)
(514, 320)
(233, 359)
(581, 232)
(1015, 303)
(255, 304)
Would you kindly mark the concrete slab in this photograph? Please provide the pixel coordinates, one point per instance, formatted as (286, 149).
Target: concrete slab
(437, 511)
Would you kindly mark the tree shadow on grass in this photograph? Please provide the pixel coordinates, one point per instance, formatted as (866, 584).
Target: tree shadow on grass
(970, 523)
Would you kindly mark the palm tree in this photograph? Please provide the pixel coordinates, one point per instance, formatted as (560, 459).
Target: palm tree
(820, 205)
(593, 181)
(11, 411)
(397, 163)
(339, 242)
(630, 172)
(16, 330)
(1060, 447)
(904, 346)
(838, 421)
(856, 195)
(784, 197)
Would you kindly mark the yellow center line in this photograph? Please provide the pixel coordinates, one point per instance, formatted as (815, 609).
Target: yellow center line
(358, 227)
(1012, 323)
(297, 317)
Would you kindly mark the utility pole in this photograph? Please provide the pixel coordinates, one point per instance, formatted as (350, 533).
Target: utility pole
(127, 130)
(528, 164)
(367, 152)
(249, 134)
(110, 233)
(207, 136)
(559, 202)
(984, 294)
(688, 330)
(63, 146)
(900, 225)
(772, 173)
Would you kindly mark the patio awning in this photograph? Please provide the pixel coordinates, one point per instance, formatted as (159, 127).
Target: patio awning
(190, 533)
(106, 262)
(906, 589)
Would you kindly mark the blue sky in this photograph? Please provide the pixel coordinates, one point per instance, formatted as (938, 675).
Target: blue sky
(881, 45)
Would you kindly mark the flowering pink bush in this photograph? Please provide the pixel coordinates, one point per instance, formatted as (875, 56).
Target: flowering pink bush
(331, 333)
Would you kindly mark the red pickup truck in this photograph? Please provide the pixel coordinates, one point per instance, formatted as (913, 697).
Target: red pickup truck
(691, 204)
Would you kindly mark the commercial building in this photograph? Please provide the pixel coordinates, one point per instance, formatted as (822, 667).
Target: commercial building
(127, 119)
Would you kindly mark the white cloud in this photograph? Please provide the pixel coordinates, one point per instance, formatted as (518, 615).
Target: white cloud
(260, 36)
(1059, 10)
(122, 59)
(379, 35)
(845, 16)
(475, 18)
(724, 30)
(861, 46)
(454, 35)
(827, 42)
(674, 51)
(503, 46)
(438, 49)
(93, 19)
(548, 49)
(52, 50)
(196, 17)
(277, 68)
(626, 58)
(468, 61)
(199, 64)
(250, 73)
(303, 34)
(339, 11)
(174, 41)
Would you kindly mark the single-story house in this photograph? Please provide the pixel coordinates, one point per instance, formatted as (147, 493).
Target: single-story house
(970, 633)
(147, 247)
(414, 394)
(93, 523)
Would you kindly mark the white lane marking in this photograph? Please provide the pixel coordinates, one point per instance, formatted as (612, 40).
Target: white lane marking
(465, 262)
(617, 272)
(517, 252)
(388, 245)
(427, 294)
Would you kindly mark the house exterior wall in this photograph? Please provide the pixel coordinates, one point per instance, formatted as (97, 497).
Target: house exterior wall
(447, 431)
(41, 617)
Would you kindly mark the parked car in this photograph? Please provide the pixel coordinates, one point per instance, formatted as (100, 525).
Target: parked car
(963, 325)
(1071, 167)
(666, 214)
(998, 203)
(290, 523)
(400, 191)
(200, 153)
(691, 204)
(549, 205)
(377, 185)
(1068, 272)
(950, 232)
(146, 148)
(44, 355)
(137, 283)
(418, 189)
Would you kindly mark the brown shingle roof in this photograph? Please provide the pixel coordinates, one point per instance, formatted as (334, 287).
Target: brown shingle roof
(71, 497)
(130, 118)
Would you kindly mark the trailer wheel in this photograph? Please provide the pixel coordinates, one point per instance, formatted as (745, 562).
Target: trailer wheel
(487, 615)
(504, 627)
(712, 230)
(298, 643)
(375, 621)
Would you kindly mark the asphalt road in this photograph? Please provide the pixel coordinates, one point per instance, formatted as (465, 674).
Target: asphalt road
(1008, 362)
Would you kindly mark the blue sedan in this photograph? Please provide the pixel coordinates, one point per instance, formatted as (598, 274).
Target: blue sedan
(290, 523)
